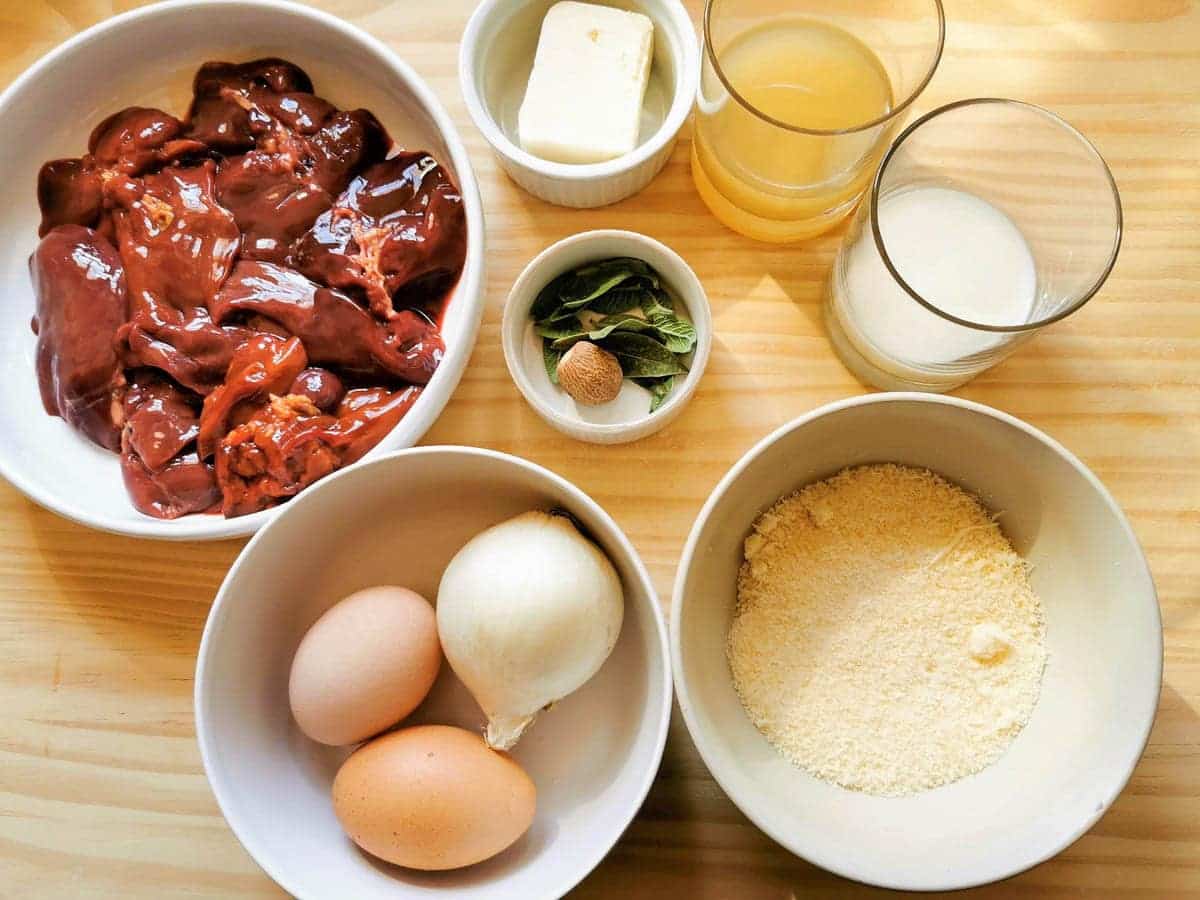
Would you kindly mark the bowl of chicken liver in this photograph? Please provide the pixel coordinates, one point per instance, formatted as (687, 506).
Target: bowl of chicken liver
(249, 243)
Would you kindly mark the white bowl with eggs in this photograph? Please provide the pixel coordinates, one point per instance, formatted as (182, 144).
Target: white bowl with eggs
(495, 58)
(625, 418)
(399, 520)
(1103, 637)
(49, 112)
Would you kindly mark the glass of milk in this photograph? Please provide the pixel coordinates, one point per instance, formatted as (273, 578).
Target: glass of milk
(987, 220)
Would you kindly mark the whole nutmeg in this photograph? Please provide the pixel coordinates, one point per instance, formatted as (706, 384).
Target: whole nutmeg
(590, 375)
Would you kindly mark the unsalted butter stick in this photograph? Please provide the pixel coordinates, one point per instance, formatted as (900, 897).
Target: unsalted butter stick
(584, 99)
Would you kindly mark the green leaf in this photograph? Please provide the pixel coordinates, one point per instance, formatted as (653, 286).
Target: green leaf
(558, 328)
(653, 302)
(549, 298)
(678, 335)
(550, 358)
(589, 282)
(603, 329)
(619, 300)
(660, 389)
(642, 356)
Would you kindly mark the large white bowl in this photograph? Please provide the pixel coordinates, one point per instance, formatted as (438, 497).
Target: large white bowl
(1103, 635)
(399, 519)
(148, 57)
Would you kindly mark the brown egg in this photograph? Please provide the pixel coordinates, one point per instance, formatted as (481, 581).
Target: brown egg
(433, 797)
(364, 665)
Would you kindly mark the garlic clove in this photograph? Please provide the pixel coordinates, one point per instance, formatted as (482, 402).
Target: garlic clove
(590, 374)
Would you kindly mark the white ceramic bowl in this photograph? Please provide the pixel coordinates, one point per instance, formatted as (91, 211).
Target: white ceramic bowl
(49, 111)
(494, 61)
(399, 519)
(1103, 636)
(626, 418)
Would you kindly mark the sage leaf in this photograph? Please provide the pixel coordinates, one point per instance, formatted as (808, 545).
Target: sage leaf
(605, 327)
(558, 328)
(620, 299)
(550, 358)
(641, 356)
(549, 298)
(657, 302)
(589, 282)
(678, 335)
(660, 389)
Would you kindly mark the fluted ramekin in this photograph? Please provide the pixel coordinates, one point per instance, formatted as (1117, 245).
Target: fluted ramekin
(495, 56)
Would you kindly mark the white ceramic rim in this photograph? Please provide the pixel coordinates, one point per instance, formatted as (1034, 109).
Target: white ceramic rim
(844, 867)
(512, 339)
(201, 526)
(217, 613)
(687, 83)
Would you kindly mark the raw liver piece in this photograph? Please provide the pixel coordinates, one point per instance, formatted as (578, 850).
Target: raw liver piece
(160, 418)
(305, 153)
(131, 142)
(188, 346)
(216, 119)
(274, 456)
(69, 193)
(336, 331)
(399, 221)
(185, 485)
(262, 366)
(322, 388)
(138, 140)
(291, 443)
(80, 288)
(176, 241)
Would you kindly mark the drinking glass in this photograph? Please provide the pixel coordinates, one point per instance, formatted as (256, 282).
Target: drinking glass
(987, 220)
(798, 100)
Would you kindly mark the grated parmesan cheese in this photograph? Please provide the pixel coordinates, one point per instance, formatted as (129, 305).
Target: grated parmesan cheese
(886, 636)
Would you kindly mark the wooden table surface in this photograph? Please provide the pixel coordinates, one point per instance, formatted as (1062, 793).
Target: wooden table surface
(101, 788)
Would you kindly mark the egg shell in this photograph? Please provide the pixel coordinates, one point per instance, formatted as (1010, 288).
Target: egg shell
(364, 665)
(433, 797)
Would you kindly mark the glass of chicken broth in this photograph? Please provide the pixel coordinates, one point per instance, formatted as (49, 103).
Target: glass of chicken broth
(987, 220)
(798, 100)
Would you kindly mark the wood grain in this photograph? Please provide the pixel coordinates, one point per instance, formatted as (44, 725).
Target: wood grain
(101, 788)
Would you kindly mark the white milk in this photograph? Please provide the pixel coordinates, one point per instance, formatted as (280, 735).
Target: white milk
(958, 252)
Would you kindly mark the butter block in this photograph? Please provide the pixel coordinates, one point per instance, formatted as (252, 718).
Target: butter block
(583, 103)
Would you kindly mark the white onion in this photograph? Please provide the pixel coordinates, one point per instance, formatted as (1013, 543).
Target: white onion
(527, 612)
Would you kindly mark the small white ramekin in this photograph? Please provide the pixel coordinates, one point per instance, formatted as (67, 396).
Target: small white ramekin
(501, 29)
(529, 373)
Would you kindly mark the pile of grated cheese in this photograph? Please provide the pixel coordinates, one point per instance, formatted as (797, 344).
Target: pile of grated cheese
(886, 636)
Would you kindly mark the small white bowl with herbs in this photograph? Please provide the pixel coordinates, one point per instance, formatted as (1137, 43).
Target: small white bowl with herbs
(606, 334)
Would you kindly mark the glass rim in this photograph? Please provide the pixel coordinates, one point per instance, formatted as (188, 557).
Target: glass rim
(1062, 123)
(824, 132)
